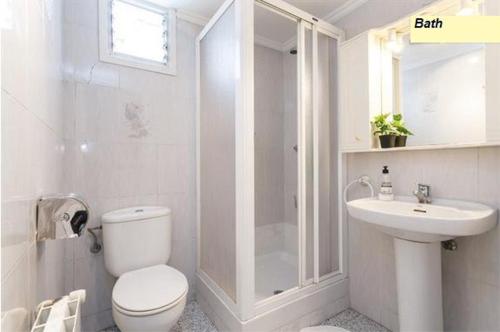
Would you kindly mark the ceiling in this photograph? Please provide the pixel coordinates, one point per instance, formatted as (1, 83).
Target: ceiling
(275, 28)
(271, 30)
(203, 8)
(206, 8)
(320, 8)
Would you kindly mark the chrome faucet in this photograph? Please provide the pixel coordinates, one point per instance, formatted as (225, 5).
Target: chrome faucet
(423, 193)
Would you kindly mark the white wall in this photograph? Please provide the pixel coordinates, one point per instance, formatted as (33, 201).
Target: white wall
(138, 128)
(32, 150)
(471, 275)
(269, 136)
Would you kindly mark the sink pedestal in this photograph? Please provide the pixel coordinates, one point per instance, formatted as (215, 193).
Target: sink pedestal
(418, 273)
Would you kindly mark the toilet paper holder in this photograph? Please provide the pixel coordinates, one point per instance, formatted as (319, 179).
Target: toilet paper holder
(61, 216)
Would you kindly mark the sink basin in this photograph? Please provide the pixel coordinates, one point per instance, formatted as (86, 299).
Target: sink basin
(442, 220)
(417, 230)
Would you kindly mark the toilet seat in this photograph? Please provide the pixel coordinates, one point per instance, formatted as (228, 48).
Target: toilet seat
(149, 290)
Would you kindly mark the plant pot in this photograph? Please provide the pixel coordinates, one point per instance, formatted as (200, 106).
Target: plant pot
(401, 141)
(387, 141)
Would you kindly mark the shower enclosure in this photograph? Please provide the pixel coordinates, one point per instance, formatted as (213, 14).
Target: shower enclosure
(270, 234)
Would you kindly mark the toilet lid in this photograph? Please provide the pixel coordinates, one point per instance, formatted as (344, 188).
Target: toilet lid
(149, 288)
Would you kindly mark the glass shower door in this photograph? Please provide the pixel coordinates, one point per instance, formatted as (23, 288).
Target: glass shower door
(276, 152)
(326, 157)
(297, 229)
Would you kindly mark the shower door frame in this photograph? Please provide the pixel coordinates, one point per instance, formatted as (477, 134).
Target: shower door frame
(245, 308)
(235, 307)
(307, 285)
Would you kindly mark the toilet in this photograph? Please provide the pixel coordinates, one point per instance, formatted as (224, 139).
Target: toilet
(148, 295)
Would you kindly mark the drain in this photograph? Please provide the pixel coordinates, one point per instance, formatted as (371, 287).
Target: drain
(277, 291)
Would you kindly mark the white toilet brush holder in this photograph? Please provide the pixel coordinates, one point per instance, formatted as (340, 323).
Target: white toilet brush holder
(60, 315)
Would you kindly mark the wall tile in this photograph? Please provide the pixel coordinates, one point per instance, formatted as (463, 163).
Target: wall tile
(106, 75)
(14, 52)
(54, 273)
(175, 169)
(45, 70)
(489, 307)
(82, 12)
(32, 152)
(457, 178)
(183, 256)
(97, 322)
(488, 176)
(14, 288)
(19, 164)
(82, 59)
(15, 233)
(90, 274)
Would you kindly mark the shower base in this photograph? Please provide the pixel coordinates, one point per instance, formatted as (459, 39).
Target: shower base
(274, 272)
(299, 308)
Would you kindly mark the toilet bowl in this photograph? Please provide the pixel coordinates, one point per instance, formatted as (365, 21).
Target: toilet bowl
(149, 299)
(148, 295)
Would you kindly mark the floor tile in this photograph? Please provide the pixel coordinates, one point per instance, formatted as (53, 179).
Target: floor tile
(194, 320)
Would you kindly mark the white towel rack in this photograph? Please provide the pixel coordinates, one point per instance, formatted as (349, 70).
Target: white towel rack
(60, 315)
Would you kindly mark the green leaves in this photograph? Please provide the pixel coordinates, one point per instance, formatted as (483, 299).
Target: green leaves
(396, 127)
(399, 125)
(382, 126)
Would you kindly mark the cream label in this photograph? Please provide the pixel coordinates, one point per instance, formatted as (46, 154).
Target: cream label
(455, 29)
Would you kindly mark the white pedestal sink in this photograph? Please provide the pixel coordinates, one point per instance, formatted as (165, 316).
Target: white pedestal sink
(418, 230)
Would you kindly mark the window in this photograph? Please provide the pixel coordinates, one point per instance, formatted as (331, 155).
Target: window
(137, 34)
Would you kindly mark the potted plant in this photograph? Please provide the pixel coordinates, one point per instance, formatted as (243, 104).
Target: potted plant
(401, 130)
(384, 130)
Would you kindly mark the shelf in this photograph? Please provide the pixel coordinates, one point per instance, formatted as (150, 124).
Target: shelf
(428, 147)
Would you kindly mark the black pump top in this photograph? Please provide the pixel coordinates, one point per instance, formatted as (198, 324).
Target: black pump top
(385, 170)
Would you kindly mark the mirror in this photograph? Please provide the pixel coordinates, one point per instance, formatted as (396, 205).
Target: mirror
(440, 91)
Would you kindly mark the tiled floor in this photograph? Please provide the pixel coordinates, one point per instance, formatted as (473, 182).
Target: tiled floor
(355, 322)
(194, 320)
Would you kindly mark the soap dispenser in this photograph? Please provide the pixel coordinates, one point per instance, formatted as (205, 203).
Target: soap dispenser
(385, 193)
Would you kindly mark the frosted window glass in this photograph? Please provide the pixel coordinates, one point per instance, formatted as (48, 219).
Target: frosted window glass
(139, 32)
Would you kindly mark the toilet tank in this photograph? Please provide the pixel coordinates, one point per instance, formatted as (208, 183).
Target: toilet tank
(136, 237)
